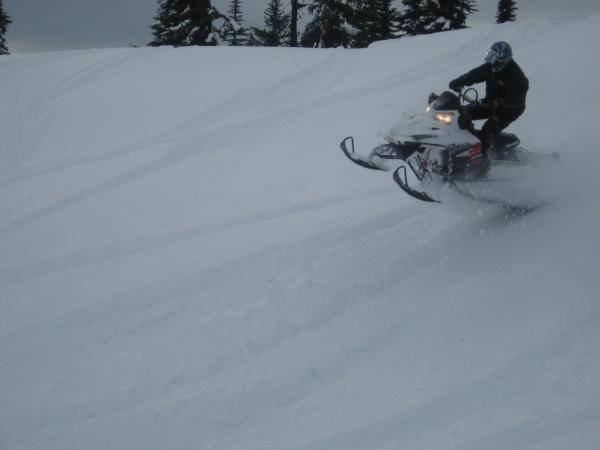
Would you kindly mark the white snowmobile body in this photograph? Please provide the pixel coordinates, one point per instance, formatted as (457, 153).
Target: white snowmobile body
(434, 147)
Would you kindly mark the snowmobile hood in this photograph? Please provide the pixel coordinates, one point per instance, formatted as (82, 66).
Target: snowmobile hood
(446, 101)
(436, 126)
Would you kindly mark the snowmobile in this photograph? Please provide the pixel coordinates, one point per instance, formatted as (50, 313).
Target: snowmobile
(439, 153)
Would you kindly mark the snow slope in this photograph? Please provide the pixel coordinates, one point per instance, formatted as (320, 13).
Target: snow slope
(189, 262)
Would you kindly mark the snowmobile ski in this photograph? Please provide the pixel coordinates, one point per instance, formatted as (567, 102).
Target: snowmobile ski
(356, 158)
(400, 178)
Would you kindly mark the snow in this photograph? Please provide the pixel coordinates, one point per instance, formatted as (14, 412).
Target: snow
(189, 261)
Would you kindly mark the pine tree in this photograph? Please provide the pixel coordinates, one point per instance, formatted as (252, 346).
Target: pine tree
(185, 22)
(363, 22)
(331, 24)
(418, 17)
(455, 12)
(4, 22)
(234, 33)
(374, 20)
(507, 11)
(387, 20)
(432, 16)
(277, 22)
(294, 15)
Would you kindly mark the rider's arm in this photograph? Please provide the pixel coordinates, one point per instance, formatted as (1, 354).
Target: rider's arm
(477, 75)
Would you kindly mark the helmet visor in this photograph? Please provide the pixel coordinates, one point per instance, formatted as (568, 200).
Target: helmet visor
(493, 57)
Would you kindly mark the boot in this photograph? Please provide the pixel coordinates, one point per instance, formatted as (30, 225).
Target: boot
(487, 155)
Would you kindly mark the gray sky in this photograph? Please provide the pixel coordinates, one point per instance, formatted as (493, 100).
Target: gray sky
(43, 25)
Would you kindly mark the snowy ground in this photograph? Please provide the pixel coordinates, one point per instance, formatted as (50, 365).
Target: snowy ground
(189, 262)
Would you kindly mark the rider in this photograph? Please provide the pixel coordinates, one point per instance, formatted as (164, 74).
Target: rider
(505, 93)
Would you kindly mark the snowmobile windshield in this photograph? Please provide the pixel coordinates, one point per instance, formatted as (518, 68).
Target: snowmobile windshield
(447, 101)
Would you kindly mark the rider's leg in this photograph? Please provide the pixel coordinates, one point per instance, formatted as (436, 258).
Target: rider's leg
(496, 123)
(489, 132)
(477, 111)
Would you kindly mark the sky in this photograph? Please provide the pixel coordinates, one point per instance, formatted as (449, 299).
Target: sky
(47, 25)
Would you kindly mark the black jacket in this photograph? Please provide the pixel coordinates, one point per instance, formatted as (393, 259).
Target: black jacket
(509, 85)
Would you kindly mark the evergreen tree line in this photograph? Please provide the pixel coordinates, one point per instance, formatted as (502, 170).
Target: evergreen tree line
(332, 23)
(4, 23)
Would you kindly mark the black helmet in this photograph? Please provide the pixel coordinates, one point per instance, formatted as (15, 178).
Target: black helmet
(499, 55)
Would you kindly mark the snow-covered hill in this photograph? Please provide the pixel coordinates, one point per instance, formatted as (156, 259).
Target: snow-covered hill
(189, 262)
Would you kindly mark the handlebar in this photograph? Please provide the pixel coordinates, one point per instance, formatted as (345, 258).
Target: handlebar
(469, 96)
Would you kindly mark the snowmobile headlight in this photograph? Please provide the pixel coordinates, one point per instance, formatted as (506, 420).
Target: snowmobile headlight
(444, 117)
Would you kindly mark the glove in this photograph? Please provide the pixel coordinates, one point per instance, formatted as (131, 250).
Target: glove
(456, 85)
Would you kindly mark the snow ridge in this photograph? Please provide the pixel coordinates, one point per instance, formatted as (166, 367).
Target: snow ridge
(190, 262)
